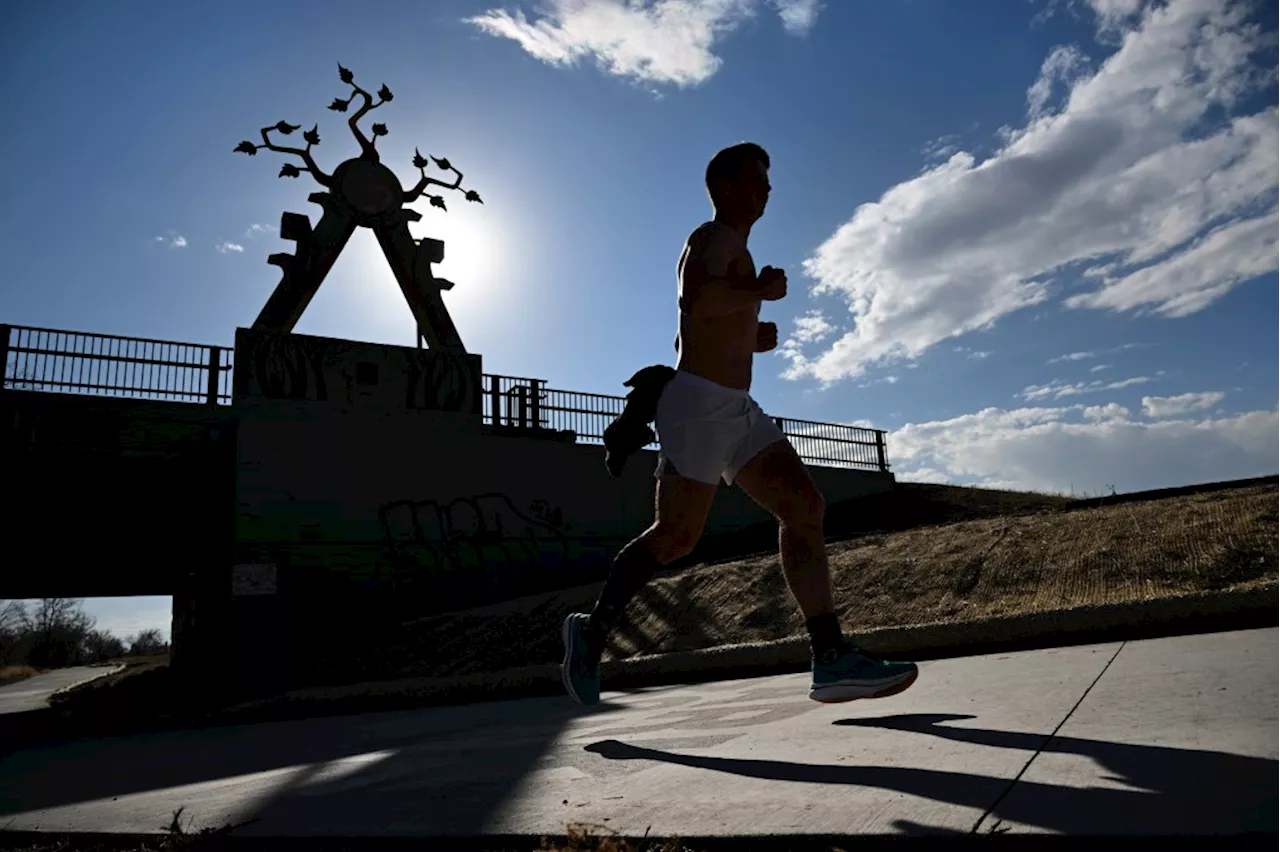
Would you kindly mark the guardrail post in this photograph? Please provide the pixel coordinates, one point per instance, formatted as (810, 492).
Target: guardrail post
(535, 404)
(215, 375)
(520, 416)
(495, 400)
(4, 356)
(884, 462)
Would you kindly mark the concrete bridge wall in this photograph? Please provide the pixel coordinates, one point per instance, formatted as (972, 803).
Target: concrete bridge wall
(108, 496)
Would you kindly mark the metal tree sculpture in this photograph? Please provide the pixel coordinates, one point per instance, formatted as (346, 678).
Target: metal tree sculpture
(361, 192)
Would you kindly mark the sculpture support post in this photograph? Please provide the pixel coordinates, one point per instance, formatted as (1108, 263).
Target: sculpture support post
(411, 263)
(305, 270)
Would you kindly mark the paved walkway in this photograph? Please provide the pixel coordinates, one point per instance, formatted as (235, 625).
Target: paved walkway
(33, 693)
(1163, 736)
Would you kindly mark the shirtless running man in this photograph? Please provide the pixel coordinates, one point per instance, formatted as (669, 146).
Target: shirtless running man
(709, 428)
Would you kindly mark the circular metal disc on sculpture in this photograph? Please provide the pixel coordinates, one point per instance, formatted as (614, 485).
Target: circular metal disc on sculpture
(371, 188)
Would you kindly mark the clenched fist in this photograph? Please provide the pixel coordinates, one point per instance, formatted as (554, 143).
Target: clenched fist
(773, 283)
(766, 336)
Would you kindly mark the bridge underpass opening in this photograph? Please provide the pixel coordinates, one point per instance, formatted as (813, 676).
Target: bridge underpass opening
(52, 633)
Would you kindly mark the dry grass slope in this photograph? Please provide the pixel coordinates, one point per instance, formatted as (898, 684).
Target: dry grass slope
(1034, 558)
(13, 674)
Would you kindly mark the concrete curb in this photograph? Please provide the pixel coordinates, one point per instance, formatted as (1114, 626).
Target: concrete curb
(64, 689)
(1189, 613)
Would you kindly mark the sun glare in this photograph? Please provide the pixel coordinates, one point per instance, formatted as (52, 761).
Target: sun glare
(473, 250)
(475, 260)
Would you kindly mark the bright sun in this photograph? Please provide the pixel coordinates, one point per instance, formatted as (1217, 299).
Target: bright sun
(473, 250)
(475, 260)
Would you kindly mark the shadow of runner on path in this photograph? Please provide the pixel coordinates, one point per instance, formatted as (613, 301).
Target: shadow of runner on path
(1173, 789)
(1176, 791)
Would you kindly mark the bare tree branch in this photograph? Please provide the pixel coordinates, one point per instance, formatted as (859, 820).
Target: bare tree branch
(13, 615)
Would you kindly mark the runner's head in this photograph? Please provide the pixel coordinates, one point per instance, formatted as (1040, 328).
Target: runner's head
(738, 181)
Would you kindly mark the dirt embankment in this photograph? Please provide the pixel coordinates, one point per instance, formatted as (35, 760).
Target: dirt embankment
(1026, 555)
(13, 674)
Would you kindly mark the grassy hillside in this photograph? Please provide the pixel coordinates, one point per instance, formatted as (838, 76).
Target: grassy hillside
(986, 554)
(908, 506)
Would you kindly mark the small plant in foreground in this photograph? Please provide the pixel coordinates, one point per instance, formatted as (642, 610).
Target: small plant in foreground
(177, 838)
(579, 838)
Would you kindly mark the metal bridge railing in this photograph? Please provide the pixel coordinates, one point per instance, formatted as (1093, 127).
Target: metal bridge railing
(103, 364)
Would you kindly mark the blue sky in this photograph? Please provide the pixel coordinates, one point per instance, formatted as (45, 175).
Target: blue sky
(1036, 241)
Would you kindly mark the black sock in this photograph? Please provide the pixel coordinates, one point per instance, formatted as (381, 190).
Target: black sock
(631, 570)
(825, 637)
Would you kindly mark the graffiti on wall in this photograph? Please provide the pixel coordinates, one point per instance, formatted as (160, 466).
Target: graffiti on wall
(284, 366)
(480, 537)
(443, 381)
(317, 369)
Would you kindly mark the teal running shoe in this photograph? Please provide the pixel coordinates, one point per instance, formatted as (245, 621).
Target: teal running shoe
(855, 674)
(580, 673)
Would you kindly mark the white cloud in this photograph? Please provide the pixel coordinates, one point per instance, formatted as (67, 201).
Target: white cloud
(1099, 368)
(1058, 449)
(941, 148)
(975, 355)
(1115, 14)
(925, 474)
(651, 41)
(257, 230)
(1062, 67)
(172, 241)
(229, 246)
(1086, 356)
(798, 16)
(1172, 406)
(1073, 356)
(1058, 389)
(812, 326)
(1125, 176)
(1110, 411)
(1198, 276)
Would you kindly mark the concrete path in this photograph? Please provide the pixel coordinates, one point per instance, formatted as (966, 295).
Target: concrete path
(1164, 736)
(33, 693)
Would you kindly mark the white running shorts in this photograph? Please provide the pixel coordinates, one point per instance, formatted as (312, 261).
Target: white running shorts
(708, 432)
